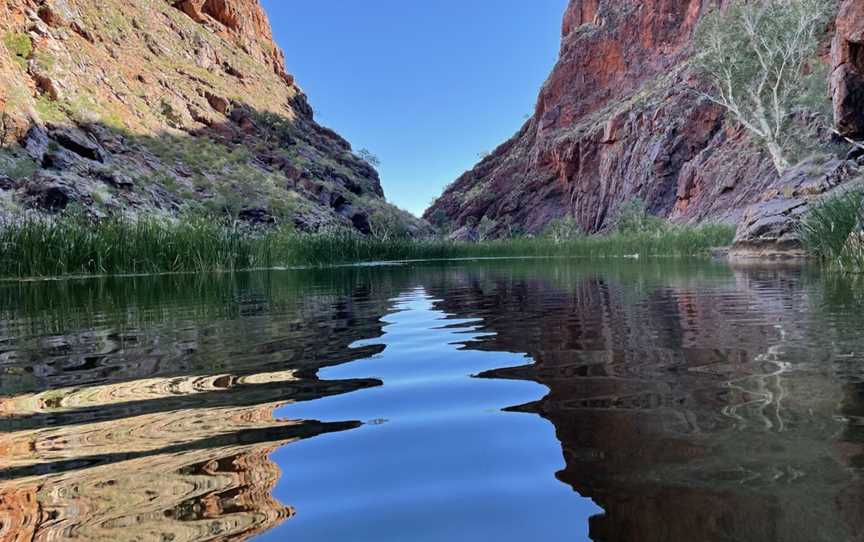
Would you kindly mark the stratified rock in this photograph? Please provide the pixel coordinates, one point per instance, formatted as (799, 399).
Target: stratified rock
(57, 13)
(847, 79)
(36, 142)
(619, 118)
(465, 234)
(770, 226)
(77, 142)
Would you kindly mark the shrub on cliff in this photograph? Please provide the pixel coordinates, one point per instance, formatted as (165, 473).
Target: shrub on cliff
(369, 157)
(759, 59)
(633, 217)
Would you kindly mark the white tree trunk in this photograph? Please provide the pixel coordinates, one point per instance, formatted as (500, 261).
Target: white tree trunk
(781, 164)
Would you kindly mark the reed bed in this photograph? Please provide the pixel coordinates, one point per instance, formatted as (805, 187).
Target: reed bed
(832, 231)
(76, 245)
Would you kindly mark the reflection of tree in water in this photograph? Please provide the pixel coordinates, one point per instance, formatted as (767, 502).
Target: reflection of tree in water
(688, 411)
(136, 415)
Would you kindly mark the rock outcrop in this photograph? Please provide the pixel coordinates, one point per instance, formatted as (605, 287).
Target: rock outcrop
(156, 106)
(619, 119)
(847, 79)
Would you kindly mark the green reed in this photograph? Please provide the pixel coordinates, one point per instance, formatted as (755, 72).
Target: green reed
(831, 231)
(76, 245)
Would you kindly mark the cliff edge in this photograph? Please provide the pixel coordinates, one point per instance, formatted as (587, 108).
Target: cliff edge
(619, 119)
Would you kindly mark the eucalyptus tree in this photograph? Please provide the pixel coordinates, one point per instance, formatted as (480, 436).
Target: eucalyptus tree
(759, 58)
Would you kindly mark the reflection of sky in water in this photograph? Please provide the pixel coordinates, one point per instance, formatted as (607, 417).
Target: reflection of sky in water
(438, 460)
(470, 400)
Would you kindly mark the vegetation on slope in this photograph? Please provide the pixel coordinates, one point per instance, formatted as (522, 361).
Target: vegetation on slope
(760, 59)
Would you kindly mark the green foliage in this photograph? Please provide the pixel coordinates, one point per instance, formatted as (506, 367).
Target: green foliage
(563, 229)
(170, 114)
(760, 58)
(485, 228)
(830, 230)
(369, 157)
(45, 61)
(16, 164)
(387, 221)
(49, 110)
(74, 244)
(20, 46)
(276, 130)
(633, 217)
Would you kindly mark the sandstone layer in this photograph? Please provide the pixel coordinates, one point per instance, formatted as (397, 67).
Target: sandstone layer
(158, 106)
(619, 118)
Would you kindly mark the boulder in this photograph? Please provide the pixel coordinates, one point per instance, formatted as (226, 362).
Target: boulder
(51, 192)
(57, 13)
(36, 142)
(77, 142)
(770, 227)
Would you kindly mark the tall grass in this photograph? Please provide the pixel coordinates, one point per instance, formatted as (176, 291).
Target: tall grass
(830, 231)
(75, 245)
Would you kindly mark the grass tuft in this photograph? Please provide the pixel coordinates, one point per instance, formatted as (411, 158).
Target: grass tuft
(830, 231)
(73, 244)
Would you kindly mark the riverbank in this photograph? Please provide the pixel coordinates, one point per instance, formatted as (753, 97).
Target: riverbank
(75, 245)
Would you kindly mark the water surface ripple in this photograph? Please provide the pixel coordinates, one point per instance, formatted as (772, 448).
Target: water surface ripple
(492, 400)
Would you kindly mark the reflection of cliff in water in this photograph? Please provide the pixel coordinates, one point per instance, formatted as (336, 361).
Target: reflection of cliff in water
(706, 410)
(142, 409)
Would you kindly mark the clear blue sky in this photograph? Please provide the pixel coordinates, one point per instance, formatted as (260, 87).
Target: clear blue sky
(426, 86)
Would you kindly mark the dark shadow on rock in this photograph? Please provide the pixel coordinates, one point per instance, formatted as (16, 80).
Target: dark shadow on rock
(256, 166)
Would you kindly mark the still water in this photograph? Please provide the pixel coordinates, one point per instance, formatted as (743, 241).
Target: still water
(496, 400)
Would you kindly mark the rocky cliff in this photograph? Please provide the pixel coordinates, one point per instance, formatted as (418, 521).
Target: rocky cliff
(158, 106)
(618, 119)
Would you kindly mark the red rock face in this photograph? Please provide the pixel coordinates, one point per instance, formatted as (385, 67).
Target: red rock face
(617, 119)
(181, 75)
(847, 79)
(246, 21)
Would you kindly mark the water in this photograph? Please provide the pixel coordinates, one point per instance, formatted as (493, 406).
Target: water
(496, 400)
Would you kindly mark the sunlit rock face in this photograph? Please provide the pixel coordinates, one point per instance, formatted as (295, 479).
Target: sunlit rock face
(619, 118)
(687, 413)
(150, 106)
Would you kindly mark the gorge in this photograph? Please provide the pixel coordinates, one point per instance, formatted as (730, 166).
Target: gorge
(620, 118)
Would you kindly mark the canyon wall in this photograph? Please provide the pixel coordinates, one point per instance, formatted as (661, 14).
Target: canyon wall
(620, 118)
(159, 106)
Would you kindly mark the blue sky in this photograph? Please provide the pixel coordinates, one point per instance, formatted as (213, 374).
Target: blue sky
(426, 86)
